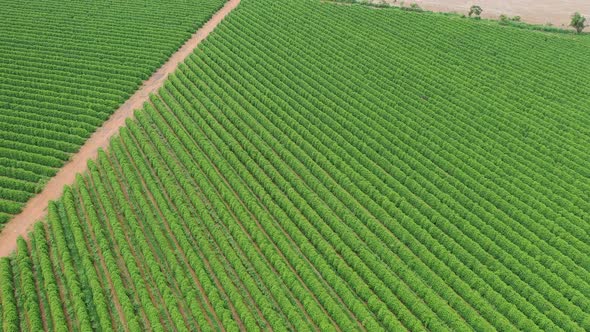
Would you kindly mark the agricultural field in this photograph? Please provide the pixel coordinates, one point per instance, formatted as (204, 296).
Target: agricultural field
(65, 67)
(326, 167)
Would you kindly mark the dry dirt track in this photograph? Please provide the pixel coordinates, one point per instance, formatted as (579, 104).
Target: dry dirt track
(557, 12)
(36, 208)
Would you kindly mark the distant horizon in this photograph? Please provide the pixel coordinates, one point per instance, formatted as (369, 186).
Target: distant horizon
(558, 13)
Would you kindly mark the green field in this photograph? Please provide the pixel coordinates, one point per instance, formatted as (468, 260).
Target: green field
(65, 66)
(315, 166)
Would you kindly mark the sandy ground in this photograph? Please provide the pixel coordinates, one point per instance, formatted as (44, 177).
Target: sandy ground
(36, 208)
(556, 12)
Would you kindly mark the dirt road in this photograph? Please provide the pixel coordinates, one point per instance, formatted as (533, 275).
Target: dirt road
(556, 12)
(36, 208)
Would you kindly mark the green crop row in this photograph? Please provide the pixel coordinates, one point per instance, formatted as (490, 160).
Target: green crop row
(326, 167)
(67, 66)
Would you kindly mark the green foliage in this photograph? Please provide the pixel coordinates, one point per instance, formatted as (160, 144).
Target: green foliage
(578, 22)
(475, 10)
(10, 320)
(66, 66)
(414, 7)
(318, 167)
(505, 19)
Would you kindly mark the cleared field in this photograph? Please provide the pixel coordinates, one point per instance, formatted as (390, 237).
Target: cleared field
(533, 11)
(323, 167)
(65, 66)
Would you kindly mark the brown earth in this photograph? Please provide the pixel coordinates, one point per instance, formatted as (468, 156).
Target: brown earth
(556, 12)
(36, 208)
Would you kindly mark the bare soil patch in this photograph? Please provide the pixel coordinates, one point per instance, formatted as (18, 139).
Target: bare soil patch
(36, 208)
(556, 12)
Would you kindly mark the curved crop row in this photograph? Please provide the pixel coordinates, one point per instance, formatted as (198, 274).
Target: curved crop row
(66, 66)
(326, 167)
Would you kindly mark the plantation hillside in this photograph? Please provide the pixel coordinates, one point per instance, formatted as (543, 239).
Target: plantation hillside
(65, 66)
(315, 166)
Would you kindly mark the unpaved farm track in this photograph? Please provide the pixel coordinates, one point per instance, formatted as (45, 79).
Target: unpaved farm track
(36, 208)
(557, 12)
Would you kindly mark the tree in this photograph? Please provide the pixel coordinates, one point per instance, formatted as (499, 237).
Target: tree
(505, 19)
(415, 7)
(475, 10)
(578, 22)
